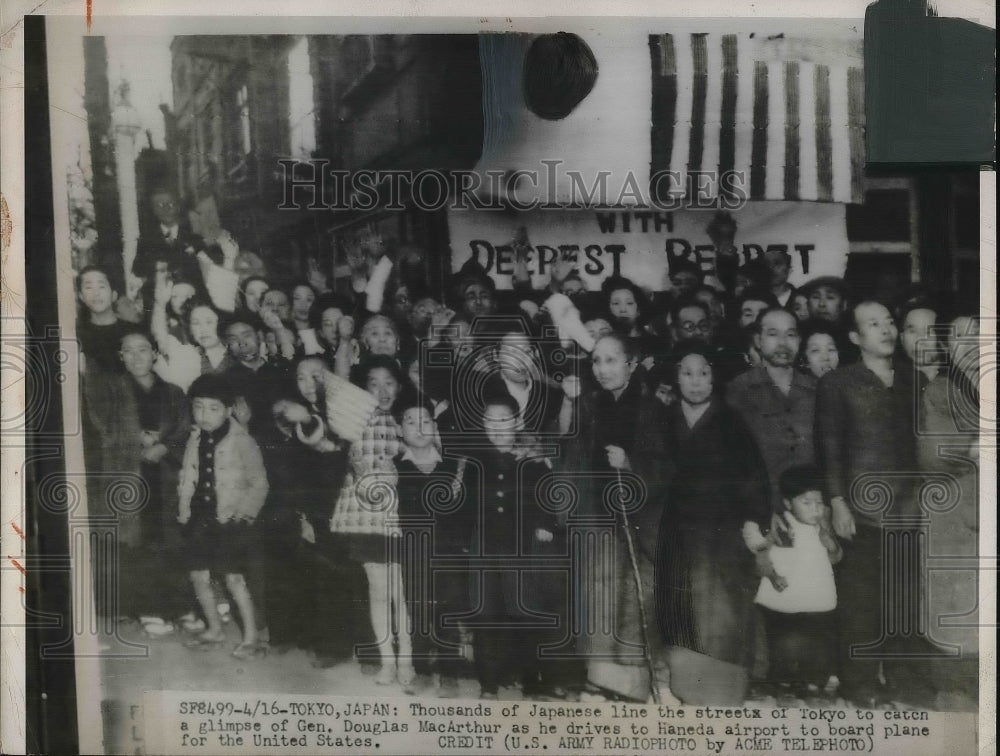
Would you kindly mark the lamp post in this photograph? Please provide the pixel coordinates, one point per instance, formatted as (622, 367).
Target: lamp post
(126, 125)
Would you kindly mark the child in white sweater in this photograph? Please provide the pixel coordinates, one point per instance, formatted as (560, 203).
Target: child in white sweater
(797, 594)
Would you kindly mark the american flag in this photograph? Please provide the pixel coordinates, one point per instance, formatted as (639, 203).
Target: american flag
(786, 113)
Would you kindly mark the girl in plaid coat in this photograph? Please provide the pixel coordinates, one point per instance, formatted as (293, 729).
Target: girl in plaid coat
(366, 517)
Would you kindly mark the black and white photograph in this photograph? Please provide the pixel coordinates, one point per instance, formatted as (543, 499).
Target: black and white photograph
(421, 380)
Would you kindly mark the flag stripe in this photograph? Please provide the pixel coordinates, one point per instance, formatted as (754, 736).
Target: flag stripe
(856, 120)
(744, 109)
(682, 129)
(791, 131)
(839, 136)
(713, 112)
(824, 148)
(727, 116)
(758, 155)
(774, 178)
(790, 128)
(807, 131)
(699, 57)
(664, 110)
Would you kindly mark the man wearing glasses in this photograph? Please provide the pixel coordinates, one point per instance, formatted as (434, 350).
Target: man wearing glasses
(169, 242)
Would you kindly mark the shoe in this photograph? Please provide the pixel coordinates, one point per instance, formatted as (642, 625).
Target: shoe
(386, 675)
(192, 624)
(158, 629)
(225, 612)
(448, 688)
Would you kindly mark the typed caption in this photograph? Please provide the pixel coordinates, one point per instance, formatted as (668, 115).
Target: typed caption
(197, 723)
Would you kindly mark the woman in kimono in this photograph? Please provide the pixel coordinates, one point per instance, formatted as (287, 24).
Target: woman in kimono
(704, 572)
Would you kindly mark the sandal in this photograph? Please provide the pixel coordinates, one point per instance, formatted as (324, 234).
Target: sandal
(203, 643)
(249, 651)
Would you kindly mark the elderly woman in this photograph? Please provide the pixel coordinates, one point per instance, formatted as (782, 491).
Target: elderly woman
(618, 441)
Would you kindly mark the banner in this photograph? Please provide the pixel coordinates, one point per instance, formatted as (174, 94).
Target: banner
(642, 244)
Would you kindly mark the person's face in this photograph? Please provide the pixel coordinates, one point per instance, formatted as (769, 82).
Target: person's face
(96, 292)
(166, 208)
(413, 373)
(501, 426)
(380, 337)
(383, 386)
(328, 324)
(716, 309)
(204, 327)
(421, 315)
(800, 307)
(694, 379)
(208, 414)
(685, 282)
(822, 355)
(302, 299)
(401, 303)
(418, 428)
(693, 323)
(665, 393)
(741, 283)
(918, 324)
(516, 357)
(308, 379)
(478, 300)
(749, 311)
(597, 328)
(807, 507)
(277, 301)
(612, 368)
(243, 342)
(623, 306)
(571, 287)
(875, 333)
(179, 294)
(138, 355)
(778, 341)
(778, 264)
(826, 303)
(253, 293)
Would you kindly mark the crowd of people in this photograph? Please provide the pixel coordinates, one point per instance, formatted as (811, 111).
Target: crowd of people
(615, 493)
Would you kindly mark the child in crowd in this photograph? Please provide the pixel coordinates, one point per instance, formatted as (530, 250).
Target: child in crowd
(430, 488)
(797, 593)
(364, 516)
(223, 486)
(515, 528)
(180, 363)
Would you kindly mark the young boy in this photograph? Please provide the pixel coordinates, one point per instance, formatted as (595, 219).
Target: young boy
(222, 488)
(797, 593)
(514, 528)
(431, 494)
(99, 330)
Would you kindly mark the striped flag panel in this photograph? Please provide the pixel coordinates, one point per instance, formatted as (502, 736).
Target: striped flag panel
(722, 102)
